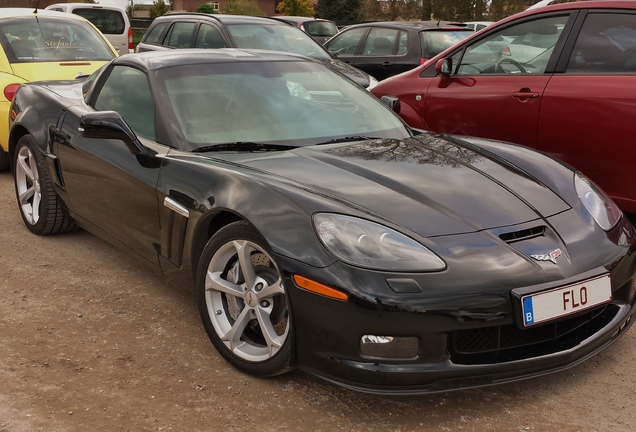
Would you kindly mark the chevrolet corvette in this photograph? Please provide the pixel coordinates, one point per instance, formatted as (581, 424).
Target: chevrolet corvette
(318, 230)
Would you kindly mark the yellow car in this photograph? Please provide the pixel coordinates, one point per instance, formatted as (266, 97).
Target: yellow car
(44, 45)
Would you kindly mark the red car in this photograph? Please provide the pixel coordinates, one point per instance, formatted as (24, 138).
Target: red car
(560, 78)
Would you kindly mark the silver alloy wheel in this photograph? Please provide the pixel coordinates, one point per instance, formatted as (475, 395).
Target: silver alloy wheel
(27, 180)
(245, 300)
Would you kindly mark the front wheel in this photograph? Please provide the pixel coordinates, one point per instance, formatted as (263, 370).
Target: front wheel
(40, 207)
(242, 301)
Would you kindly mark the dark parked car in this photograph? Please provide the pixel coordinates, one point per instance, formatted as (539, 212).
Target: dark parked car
(319, 29)
(196, 30)
(556, 78)
(384, 49)
(322, 232)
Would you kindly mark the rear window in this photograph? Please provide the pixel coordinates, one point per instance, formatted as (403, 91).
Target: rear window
(27, 40)
(320, 28)
(436, 41)
(106, 20)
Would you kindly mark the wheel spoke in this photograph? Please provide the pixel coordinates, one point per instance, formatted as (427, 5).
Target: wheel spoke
(215, 282)
(274, 289)
(244, 252)
(25, 167)
(274, 342)
(36, 207)
(24, 196)
(233, 335)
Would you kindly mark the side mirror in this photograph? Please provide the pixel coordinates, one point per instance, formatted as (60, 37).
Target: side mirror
(443, 67)
(109, 125)
(392, 102)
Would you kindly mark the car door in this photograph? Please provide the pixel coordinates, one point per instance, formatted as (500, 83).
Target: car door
(107, 185)
(587, 113)
(491, 94)
(344, 45)
(379, 50)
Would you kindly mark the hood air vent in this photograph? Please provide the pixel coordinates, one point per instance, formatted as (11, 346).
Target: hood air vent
(525, 234)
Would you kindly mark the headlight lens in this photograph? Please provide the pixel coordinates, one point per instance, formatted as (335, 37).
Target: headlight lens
(601, 207)
(373, 246)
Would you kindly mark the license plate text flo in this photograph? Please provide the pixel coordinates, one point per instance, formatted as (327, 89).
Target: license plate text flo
(548, 305)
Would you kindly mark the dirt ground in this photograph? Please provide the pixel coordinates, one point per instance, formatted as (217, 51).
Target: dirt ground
(92, 340)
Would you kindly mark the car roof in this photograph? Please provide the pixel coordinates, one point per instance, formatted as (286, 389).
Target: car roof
(155, 60)
(416, 25)
(30, 12)
(222, 18)
(298, 19)
(578, 4)
(86, 6)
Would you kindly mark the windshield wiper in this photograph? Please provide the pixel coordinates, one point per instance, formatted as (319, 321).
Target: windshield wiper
(247, 146)
(349, 139)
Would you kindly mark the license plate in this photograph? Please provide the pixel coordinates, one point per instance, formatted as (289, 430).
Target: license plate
(549, 305)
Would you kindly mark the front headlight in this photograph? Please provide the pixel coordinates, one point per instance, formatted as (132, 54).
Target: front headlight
(373, 246)
(601, 207)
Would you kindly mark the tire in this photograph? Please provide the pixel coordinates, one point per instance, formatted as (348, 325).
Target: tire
(248, 322)
(4, 160)
(40, 207)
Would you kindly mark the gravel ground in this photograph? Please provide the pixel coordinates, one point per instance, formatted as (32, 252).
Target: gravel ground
(91, 339)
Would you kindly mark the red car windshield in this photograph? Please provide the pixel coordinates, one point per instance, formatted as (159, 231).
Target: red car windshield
(46, 39)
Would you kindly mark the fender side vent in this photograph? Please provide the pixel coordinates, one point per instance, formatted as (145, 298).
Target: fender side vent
(526, 234)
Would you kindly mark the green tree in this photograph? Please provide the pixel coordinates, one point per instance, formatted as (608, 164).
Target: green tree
(205, 8)
(158, 8)
(296, 8)
(339, 10)
(243, 7)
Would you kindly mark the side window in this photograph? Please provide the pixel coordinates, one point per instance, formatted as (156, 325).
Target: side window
(522, 48)
(209, 37)
(181, 35)
(156, 34)
(606, 44)
(127, 91)
(403, 45)
(347, 42)
(380, 41)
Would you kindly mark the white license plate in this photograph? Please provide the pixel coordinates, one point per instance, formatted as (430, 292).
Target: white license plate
(548, 305)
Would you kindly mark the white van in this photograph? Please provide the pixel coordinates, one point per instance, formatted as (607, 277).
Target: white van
(112, 21)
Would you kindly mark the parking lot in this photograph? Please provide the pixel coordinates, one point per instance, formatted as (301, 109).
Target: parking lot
(92, 339)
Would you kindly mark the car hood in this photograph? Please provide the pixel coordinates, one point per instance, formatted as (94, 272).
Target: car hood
(355, 75)
(428, 184)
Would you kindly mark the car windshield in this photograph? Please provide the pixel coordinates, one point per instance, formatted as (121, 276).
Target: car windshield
(51, 39)
(285, 102)
(278, 37)
(436, 41)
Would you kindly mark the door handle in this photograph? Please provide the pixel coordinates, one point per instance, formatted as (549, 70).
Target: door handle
(525, 93)
(386, 64)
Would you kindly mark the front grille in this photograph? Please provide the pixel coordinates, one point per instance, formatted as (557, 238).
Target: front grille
(509, 343)
(525, 234)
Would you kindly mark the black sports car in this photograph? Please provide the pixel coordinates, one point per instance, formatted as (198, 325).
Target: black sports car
(320, 231)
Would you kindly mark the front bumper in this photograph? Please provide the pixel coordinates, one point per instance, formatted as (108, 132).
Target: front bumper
(465, 337)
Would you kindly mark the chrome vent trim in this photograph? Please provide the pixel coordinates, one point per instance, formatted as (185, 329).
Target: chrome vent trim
(176, 207)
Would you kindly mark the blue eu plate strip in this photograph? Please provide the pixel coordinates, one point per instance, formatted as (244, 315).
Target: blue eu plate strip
(528, 313)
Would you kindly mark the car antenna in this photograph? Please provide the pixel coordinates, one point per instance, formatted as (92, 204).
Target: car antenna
(37, 3)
